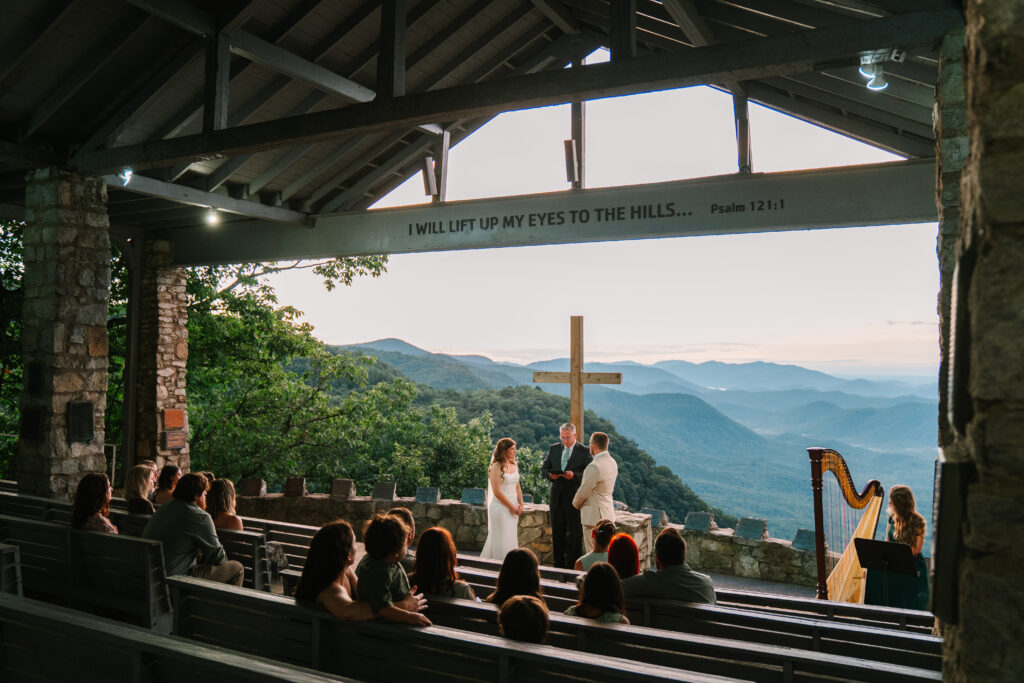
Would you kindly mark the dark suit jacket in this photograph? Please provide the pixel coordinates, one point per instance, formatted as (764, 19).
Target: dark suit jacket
(578, 461)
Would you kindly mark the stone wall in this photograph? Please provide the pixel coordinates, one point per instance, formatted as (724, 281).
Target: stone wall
(162, 357)
(64, 338)
(467, 523)
(982, 622)
(720, 551)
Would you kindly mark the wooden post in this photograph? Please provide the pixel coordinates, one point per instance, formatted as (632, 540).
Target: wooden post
(576, 378)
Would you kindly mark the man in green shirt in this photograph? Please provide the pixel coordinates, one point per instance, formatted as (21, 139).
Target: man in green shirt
(674, 578)
(186, 531)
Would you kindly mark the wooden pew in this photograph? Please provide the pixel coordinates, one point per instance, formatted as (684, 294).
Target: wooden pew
(864, 615)
(10, 569)
(247, 547)
(120, 577)
(720, 656)
(806, 632)
(276, 627)
(8, 485)
(294, 538)
(34, 507)
(40, 642)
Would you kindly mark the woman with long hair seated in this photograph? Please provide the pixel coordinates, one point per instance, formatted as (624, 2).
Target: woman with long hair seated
(327, 577)
(92, 504)
(434, 570)
(519, 575)
(907, 526)
(601, 596)
(624, 556)
(165, 484)
(138, 484)
(220, 503)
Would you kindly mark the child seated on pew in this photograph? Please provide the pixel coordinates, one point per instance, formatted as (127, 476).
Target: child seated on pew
(328, 579)
(525, 618)
(601, 596)
(603, 532)
(382, 581)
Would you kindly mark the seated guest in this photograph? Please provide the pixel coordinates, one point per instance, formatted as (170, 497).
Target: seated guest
(156, 474)
(220, 503)
(138, 484)
(165, 484)
(328, 579)
(525, 618)
(603, 532)
(519, 575)
(92, 504)
(208, 476)
(186, 531)
(434, 570)
(382, 581)
(410, 557)
(624, 556)
(601, 596)
(674, 578)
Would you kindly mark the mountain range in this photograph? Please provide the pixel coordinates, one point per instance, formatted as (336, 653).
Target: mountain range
(735, 433)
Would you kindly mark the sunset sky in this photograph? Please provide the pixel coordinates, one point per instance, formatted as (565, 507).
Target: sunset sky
(853, 302)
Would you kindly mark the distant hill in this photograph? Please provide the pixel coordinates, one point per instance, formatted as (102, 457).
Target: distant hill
(762, 376)
(736, 433)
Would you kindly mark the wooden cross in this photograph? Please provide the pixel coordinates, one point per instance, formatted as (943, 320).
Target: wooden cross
(576, 378)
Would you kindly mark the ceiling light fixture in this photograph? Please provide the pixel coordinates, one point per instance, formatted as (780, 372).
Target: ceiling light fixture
(212, 217)
(126, 176)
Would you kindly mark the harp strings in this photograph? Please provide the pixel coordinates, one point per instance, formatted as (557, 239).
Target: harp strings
(840, 521)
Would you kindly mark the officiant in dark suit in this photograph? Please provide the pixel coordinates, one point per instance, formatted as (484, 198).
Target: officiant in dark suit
(564, 466)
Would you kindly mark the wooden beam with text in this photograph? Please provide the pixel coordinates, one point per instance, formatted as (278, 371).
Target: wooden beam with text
(576, 378)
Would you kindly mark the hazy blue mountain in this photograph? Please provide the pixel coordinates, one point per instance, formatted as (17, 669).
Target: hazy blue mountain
(740, 445)
(390, 344)
(636, 378)
(762, 376)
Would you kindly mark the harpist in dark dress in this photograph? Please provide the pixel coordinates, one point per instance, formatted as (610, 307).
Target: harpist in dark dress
(905, 526)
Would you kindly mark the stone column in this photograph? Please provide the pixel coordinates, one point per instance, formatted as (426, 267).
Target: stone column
(162, 355)
(950, 122)
(988, 396)
(64, 337)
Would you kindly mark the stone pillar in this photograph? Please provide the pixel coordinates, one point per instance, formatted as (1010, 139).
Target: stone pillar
(162, 355)
(64, 337)
(950, 122)
(988, 394)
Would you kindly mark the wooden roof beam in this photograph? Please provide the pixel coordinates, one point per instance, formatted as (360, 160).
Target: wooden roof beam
(559, 15)
(786, 54)
(186, 195)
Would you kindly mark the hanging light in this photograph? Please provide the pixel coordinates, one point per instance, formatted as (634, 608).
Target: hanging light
(212, 217)
(126, 176)
(877, 78)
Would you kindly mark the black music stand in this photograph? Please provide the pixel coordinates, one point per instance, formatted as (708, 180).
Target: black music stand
(895, 558)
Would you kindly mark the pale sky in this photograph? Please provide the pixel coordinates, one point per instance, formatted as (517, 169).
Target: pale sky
(854, 302)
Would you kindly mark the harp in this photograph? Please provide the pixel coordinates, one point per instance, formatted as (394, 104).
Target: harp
(846, 581)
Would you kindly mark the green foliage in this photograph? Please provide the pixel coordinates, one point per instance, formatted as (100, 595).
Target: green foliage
(531, 417)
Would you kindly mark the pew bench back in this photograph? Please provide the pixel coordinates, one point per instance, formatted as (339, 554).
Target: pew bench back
(278, 628)
(864, 615)
(804, 632)
(757, 662)
(10, 569)
(41, 642)
(121, 577)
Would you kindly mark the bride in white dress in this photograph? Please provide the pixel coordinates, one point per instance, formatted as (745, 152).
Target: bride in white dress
(504, 501)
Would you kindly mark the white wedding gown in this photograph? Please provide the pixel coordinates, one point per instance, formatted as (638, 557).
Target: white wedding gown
(502, 525)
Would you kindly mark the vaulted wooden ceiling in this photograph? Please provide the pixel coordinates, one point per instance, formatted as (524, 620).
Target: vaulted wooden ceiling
(282, 110)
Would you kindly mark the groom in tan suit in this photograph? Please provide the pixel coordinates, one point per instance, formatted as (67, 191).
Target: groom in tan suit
(594, 497)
